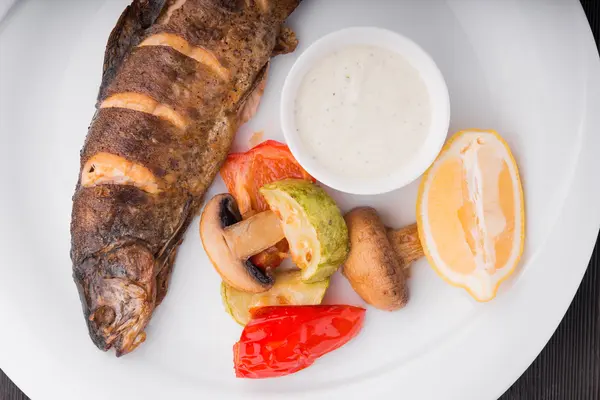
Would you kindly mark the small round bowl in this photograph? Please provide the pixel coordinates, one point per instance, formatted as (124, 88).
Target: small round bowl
(420, 60)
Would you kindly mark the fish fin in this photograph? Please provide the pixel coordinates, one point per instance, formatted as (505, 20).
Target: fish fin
(251, 101)
(132, 23)
(187, 214)
(286, 42)
(164, 277)
(165, 258)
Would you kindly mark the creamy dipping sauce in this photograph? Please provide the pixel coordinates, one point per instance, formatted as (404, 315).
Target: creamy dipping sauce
(363, 111)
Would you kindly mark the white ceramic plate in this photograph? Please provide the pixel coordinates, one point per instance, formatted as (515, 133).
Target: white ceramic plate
(528, 69)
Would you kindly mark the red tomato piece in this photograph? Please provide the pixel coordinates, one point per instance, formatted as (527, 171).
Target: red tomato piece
(245, 173)
(280, 340)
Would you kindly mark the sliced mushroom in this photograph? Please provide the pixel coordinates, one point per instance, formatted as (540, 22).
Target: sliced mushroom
(230, 241)
(373, 268)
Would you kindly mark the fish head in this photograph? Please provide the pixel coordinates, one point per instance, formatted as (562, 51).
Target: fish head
(118, 292)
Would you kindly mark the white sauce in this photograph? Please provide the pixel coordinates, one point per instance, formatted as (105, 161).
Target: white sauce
(363, 111)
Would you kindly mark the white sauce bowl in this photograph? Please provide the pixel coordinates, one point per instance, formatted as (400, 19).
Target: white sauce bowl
(430, 74)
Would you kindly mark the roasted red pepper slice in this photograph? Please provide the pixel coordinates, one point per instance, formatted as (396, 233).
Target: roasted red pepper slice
(245, 173)
(281, 340)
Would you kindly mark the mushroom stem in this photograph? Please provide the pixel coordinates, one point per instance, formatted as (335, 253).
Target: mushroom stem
(406, 244)
(253, 235)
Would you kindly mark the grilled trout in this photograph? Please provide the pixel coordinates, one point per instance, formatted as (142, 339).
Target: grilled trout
(179, 78)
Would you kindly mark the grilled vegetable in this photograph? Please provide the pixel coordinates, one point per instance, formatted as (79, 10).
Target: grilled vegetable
(308, 218)
(282, 340)
(288, 290)
(245, 173)
(229, 242)
(313, 226)
(180, 77)
(376, 271)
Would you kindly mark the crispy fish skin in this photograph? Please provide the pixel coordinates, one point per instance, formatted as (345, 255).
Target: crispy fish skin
(124, 239)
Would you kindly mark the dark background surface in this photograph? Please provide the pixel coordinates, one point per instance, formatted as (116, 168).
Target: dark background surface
(569, 365)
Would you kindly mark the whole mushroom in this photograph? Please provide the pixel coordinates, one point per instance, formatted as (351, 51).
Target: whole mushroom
(377, 264)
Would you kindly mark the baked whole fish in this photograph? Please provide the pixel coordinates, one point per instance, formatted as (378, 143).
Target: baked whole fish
(180, 77)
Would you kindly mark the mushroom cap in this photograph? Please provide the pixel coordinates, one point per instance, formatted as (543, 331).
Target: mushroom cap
(372, 267)
(219, 213)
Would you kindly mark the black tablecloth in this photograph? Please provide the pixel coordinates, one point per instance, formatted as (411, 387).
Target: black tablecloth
(569, 366)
